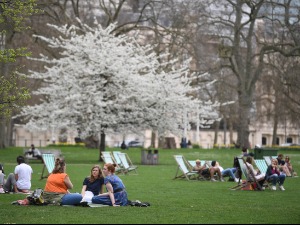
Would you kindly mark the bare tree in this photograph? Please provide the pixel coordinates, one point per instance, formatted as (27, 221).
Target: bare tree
(244, 51)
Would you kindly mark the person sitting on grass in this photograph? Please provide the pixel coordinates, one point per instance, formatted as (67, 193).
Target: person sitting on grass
(282, 166)
(92, 185)
(116, 194)
(57, 187)
(207, 172)
(56, 191)
(290, 166)
(2, 175)
(20, 180)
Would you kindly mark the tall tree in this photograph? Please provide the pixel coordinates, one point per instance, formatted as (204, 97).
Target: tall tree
(13, 13)
(244, 52)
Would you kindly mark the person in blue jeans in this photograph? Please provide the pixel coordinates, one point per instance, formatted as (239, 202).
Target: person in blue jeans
(116, 194)
(273, 175)
(58, 185)
(92, 185)
(225, 172)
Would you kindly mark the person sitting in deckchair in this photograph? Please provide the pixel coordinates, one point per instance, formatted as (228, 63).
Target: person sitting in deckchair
(225, 172)
(207, 172)
(254, 174)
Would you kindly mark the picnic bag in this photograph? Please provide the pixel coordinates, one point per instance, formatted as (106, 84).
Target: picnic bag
(36, 198)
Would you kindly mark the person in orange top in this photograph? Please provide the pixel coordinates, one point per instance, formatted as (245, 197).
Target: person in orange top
(59, 182)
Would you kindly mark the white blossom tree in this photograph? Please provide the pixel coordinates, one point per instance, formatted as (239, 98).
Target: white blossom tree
(104, 83)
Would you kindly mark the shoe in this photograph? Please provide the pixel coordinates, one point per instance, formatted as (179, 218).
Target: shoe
(273, 188)
(84, 204)
(281, 188)
(213, 179)
(2, 191)
(222, 180)
(15, 203)
(295, 174)
(263, 188)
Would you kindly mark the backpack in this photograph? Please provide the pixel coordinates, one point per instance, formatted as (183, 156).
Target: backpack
(138, 203)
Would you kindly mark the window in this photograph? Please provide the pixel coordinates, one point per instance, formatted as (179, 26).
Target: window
(264, 141)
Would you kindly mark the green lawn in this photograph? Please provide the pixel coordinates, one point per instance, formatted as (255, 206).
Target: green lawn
(172, 201)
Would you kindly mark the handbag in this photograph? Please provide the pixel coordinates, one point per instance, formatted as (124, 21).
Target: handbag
(36, 198)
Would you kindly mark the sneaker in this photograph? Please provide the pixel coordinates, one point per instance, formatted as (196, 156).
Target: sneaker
(84, 204)
(281, 188)
(263, 188)
(2, 191)
(236, 180)
(222, 180)
(295, 174)
(213, 179)
(274, 188)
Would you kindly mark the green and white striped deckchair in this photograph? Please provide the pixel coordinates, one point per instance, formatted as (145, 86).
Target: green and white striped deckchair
(49, 163)
(127, 165)
(108, 158)
(182, 166)
(261, 165)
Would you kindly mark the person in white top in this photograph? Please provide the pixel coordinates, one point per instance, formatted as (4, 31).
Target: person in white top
(2, 176)
(20, 181)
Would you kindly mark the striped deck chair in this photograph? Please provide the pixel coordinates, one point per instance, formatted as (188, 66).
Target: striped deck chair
(261, 165)
(127, 165)
(192, 163)
(117, 158)
(108, 158)
(49, 164)
(268, 160)
(183, 166)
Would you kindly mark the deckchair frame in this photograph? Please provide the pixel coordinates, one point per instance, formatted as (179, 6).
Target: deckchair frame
(183, 167)
(127, 164)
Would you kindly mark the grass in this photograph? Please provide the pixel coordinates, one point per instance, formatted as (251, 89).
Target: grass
(172, 201)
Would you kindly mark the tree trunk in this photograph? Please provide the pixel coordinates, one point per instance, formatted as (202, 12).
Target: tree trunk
(230, 130)
(274, 139)
(244, 119)
(216, 132)
(153, 137)
(10, 127)
(161, 142)
(2, 132)
(102, 145)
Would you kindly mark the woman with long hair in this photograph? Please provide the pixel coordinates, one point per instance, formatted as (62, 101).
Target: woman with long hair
(58, 185)
(116, 194)
(92, 185)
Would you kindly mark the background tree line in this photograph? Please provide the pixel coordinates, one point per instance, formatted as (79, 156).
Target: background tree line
(226, 38)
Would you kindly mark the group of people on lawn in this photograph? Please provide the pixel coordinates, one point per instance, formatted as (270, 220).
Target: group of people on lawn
(58, 185)
(276, 172)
